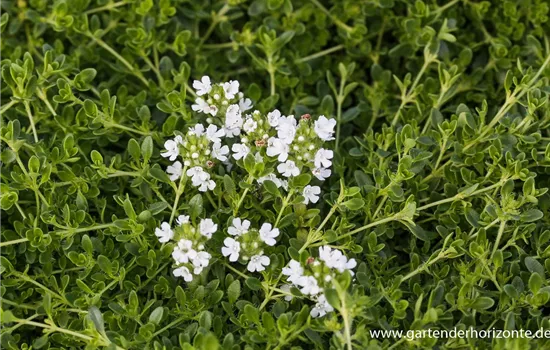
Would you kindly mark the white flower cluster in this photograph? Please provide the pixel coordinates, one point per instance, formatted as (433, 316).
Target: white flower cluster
(317, 275)
(299, 144)
(294, 144)
(199, 149)
(189, 252)
(247, 244)
(223, 101)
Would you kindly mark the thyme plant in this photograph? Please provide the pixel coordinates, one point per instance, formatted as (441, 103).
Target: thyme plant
(273, 174)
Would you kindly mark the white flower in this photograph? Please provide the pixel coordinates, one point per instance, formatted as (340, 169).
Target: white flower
(201, 179)
(288, 169)
(336, 260)
(245, 104)
(164, 233)
(286, 130)
(231, 249)
(194, 171)
(213, 110)
(294, 271)
(198, 130)
(203, 86)
(172, 149)
(203, 107)
(278, 147)
(220, 152)
(286, 288)
(240, 150)
(321, 173)
(233, 121)
(206, 184)
(311, 194)
(321, 308)
(213, 134)
(309, 285)
(273, 178)
(249, 125)
(184, 252)
(351, 264)
(325, 254)
(257, 263)
(182, 219)
(239, 227)
(273, 117)
(267, 234)
(201, 261)
(323, 158)
(231, 88)
(175, 170)
(207, 227)
(183, 272)
(324, 128)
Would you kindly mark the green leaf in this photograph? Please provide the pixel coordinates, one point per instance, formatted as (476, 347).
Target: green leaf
(156, 316)
(482, 303)
(234, 291)
(333, 298)
(147, 149)
(535, 282)
(253, 283)
(97, 318)
(531, 215)
(270, 187)
(134, 149)
(534, 266)
(195, 206)
(354, 204)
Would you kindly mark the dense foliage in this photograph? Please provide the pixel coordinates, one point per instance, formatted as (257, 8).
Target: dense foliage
(437, 189)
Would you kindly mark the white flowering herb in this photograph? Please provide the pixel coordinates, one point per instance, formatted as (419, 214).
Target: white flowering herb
(189, 253)
(247, 244)
(316, 275)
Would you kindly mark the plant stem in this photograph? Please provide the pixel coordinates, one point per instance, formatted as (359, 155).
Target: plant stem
(336, 21)
(407, 98)
(86, 229)
(339, 102)
(499, 237)
(344, 311)
(179, 191)
(423, 267)
(217, 19)
(236, 210)
(104, 45)
(155, 69)
(372, 224)
(460, 196)
(15, 241)
(40, 285)
(20, 211)
(7, 106)
(236, 271)
(170, 325)
(106, 7)
(31, 119)
(319, 54)
(283, 207)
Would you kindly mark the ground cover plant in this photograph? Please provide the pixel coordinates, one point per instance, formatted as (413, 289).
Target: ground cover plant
(273, 174)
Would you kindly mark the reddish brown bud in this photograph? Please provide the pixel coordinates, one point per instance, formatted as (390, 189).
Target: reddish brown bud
(260, 143)
(306, 117)
(210, 163)
(310, 260)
